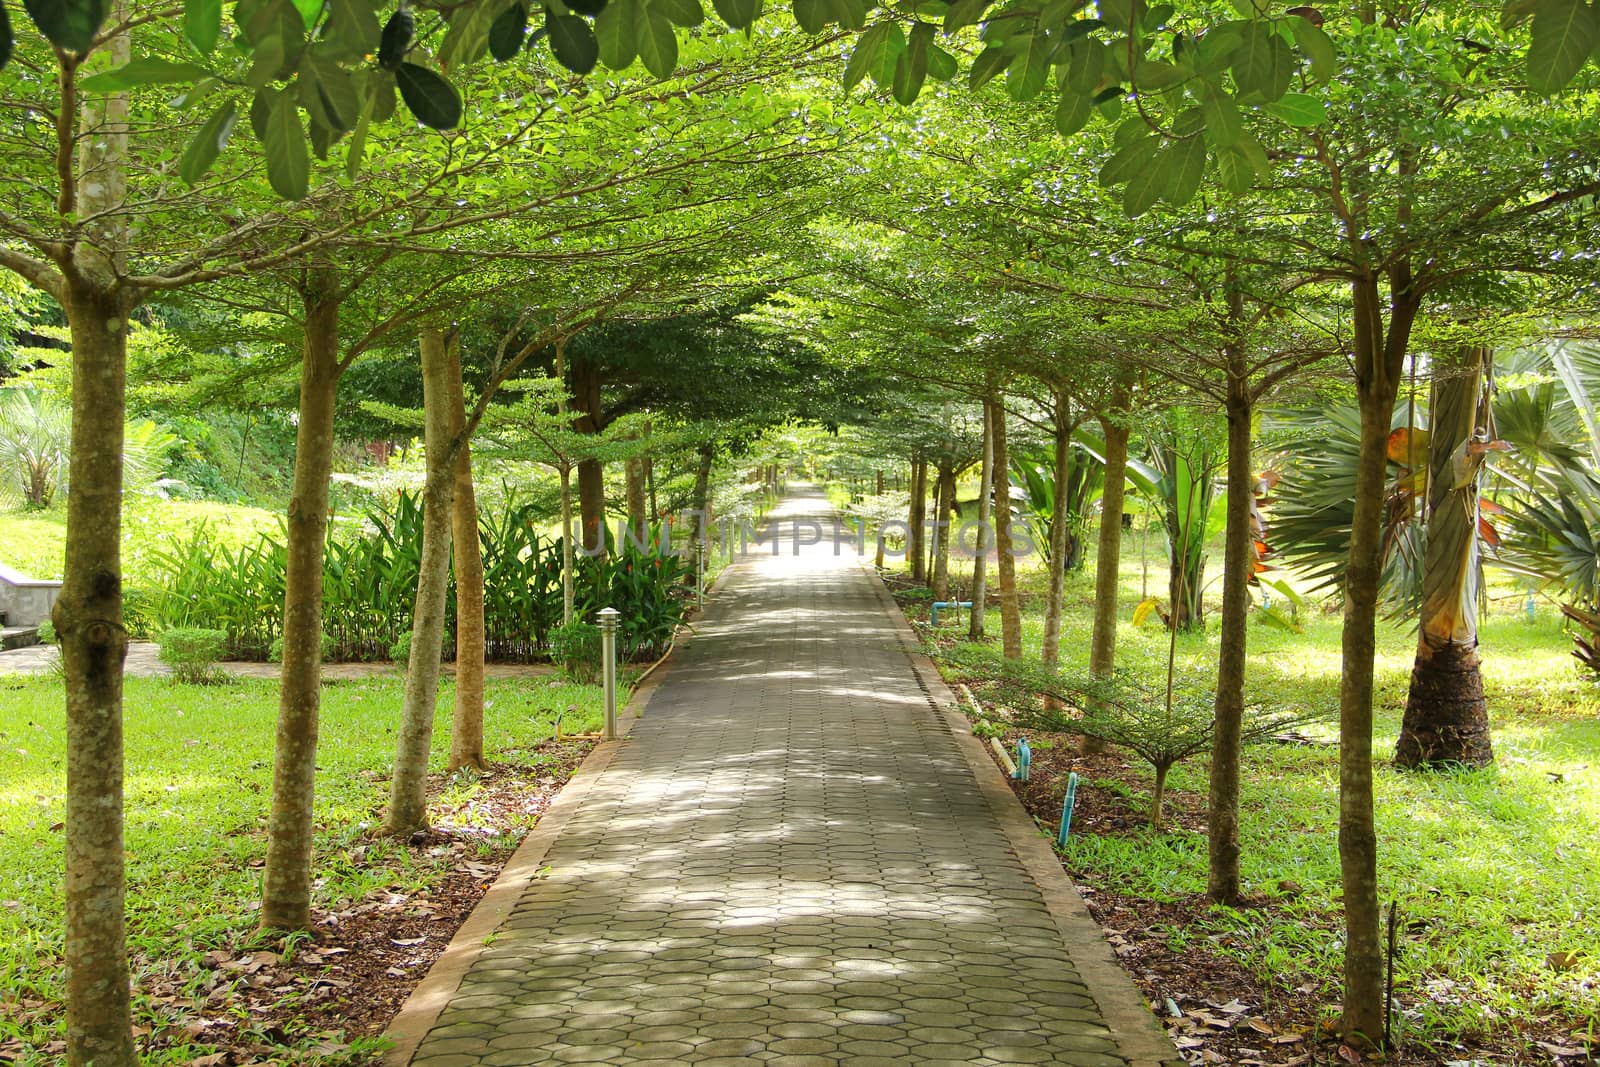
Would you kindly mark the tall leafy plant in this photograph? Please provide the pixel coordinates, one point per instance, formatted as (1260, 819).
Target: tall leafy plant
(1085, 478)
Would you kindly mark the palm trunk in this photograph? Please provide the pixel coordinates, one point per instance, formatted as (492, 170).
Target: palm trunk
(1378, 358)
(286, 883)
(1447, 720)
(917, 519)
(466, 732)
(638, 521)
(408, 800)
(1006, 563)
(1050, 650)
(944, 502)
(980, 558)
(1222, 880)
(1108, 560)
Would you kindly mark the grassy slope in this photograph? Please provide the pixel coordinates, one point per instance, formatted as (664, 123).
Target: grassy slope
(1497, 869)
(33, 542)
(198, 787)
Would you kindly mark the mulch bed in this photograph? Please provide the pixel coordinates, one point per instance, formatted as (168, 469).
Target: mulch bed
(307, 1002)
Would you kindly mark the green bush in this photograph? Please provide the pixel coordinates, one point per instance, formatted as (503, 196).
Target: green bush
(576, 647)
(400, 651)
(47, 633)
(192, 653)
(275, 652)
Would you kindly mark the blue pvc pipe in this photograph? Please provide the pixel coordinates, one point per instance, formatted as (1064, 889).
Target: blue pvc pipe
(1066, 810)
(937, 604)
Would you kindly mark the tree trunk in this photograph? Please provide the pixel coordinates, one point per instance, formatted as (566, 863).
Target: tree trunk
(1006, 563)
(917, 519)
(1108, 560)
(408, 800)
(1050, 649)
(466, 731)
(88, 618)
(568, 590)
(1378, 357)
(1222, 879)
(980, 557)
(944, 498)
(702, 491)
(638, 511)
(1447, 720)
(1158, 800)
(286, 883)
(591, 472)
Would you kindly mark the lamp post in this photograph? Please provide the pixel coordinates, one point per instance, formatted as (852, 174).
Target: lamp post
(608, 661)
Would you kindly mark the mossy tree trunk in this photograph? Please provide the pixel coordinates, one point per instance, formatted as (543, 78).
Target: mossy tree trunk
(286, 883)
(1005, 549)
(466, 732)
(944, 497)
(1108, 560)
(1063, 427)
(1222, 810)
(980, 559)
(917, 520)
(408, 808)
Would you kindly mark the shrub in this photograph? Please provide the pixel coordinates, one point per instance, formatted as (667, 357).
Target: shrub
(192, 653)
(275, 652)
(576, 646)
(400, 651)
(47, 633)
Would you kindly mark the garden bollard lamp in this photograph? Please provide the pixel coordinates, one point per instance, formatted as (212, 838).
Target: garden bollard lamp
(608, 661)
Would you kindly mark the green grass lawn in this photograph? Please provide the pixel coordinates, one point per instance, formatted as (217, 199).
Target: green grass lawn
(198, 788)
(1494, 870)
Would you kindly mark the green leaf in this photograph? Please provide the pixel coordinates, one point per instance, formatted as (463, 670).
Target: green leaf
(430, 98)
(964, 13)
(1145, 187)
(1317, 46)
(812, 15)
(8, 40)
(851, 14)
(1072, 111)
(202, 24)
(1516, 12)
(68, 24)
(1565, 33)
(681, 12)
(1234, 171)
(658, 43)
(893, 46)
(356, 154)
(1118, 14)
(1129, 160)
(208, 143)
(1298, 109)
(288, 157)
(328, 92)
(1263, 64)
(942, 65)
(1223, 121)
(1185, 166)
(1026, 76)
(990, 61)
(468, 37)
(310, 11)
(911, 69)
(738, 14)
(1155, 75)
(572, 42)
(266, 61)
(616, 30)
(1084, 66)
(352, 30)
(508, 32)
(867, 54)
(143, 70)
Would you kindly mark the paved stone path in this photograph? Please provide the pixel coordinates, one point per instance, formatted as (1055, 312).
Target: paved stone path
(791, 860)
